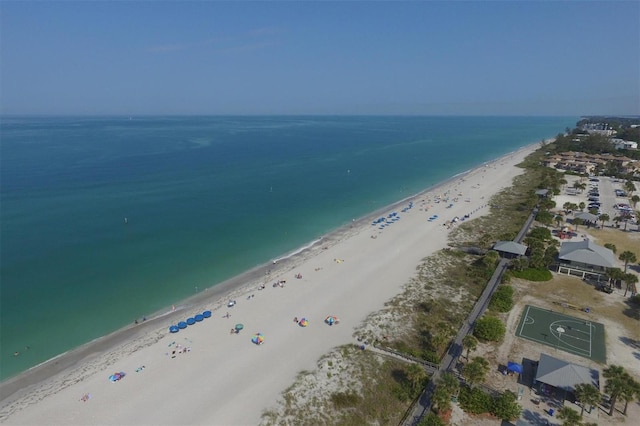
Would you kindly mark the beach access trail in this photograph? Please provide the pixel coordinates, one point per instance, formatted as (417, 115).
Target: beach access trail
(205, 374)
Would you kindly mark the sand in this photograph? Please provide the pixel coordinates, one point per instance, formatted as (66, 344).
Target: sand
(219, 378)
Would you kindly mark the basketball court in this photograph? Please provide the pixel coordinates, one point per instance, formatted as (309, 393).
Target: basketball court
(563, 332)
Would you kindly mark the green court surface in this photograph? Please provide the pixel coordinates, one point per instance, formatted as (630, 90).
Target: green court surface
(563, 332)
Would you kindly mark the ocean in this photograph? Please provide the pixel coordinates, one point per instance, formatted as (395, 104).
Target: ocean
(107, 219)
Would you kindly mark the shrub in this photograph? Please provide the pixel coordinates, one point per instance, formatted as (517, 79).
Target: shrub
(344, 399)
(474, 401)
(489, 328)
(502, 299)
(533, 274)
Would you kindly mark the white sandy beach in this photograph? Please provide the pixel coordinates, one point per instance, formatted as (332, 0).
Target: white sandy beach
(225, 379)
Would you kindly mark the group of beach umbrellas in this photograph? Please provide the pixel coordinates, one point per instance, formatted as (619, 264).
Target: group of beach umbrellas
(189, 321)
(258, 338)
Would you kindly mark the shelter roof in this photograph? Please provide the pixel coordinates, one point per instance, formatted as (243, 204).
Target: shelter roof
(565, 375)
(589, 217)
(510, 247)
(587, 252)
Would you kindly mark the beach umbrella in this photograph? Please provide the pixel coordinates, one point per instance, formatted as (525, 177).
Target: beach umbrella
(191, 321)
(174, 329)
(257, 338)
(331, 320)
(206, 314)
(199, 317)
(515, 367)
(303, 322)
(239, 327)
(182, 324)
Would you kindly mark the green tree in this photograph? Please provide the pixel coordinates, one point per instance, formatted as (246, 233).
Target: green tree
(476, 371)
(627, 257)
(614, 275)
(416, 375)
(630, 280)
(506, 406)
(617, 382)
(544, 217)
(431, 419)
(582, 205)
(450, 383)
(569, 416)
(470, 343)
(577, 222)
(587, 394)
(558, 219)
(604, 218)
(566, 207)
(630, 392)
(441, 400)
(634, 200)
(630, 187)
(579, 186)
(611, 247)
(489, 328)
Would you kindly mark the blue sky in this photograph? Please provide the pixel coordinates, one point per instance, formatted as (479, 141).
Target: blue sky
(214, 57)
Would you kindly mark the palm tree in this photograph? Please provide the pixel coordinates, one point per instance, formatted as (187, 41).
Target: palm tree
(614, 275)
(441, 399)
(559, 219)
(630, 280)
(611, 247)
(627, 256)
(476, 371)
(566, 207)
(630, 187)
(450, 383)
(630, 392)
(634, 200)
(569, 416)
(587, 394)
(416, 375)
(582, 205)
(577, 222)
(604, 218)
(470, 343)
(617, 383)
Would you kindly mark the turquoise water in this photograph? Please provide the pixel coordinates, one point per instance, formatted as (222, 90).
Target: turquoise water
(205, 198)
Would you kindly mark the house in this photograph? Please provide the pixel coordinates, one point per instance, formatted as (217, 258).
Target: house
(584, 258)
(559, 377)
(510, 249)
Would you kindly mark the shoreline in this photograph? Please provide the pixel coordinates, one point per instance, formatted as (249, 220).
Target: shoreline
(215, 297)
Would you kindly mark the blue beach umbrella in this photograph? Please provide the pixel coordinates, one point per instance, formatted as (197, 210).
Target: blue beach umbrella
(199, 317)
(182, 324)
(206, 314)
(174, 329)
(191, 321)
(515, 367)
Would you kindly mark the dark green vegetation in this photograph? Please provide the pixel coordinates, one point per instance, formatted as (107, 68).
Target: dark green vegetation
(503, 406)
(502, 299)
(490, 329)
